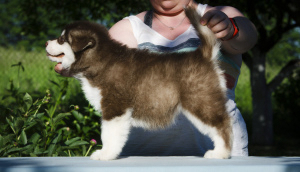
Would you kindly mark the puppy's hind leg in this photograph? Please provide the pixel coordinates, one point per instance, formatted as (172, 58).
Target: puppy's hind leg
(114, 135)
(221, 135)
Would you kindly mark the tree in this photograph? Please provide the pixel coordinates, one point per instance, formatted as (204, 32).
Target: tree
(30, 23)
(284, 20)
(10, 30)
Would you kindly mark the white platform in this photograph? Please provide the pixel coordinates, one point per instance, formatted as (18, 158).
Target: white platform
(151, 164)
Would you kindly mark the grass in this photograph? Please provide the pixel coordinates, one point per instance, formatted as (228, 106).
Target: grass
(31, 72)
(243, 94)
(37, 69)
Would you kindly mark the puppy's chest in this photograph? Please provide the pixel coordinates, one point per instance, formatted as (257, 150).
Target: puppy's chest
(92, 94)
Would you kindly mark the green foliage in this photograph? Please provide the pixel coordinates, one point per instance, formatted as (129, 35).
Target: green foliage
(286, 109)
(30, 23)
(37, 128)
(288, 48)
(10, 30)
(243, 95)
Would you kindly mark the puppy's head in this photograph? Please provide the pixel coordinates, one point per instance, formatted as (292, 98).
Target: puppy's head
(78, 40)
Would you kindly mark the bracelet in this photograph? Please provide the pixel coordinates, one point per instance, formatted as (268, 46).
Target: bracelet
(236, 28)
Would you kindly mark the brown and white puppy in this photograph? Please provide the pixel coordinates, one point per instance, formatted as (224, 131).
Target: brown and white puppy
(138, 88)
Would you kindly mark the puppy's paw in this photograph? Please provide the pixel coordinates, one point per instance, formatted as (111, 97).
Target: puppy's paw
(214, 154)
(102, 155)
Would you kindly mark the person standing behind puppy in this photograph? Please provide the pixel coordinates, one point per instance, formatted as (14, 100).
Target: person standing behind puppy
(165, 28)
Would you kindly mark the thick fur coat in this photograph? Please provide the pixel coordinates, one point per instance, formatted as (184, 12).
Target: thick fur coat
(138, 88)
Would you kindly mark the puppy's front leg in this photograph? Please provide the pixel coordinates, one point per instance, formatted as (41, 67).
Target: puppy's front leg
(114, 135)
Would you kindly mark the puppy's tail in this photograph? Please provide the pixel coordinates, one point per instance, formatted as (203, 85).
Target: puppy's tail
(210, 46)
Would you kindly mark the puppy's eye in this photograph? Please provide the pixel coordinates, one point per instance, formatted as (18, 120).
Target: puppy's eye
(61, 40)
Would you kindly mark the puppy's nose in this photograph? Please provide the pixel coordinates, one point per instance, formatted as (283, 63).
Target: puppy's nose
(46, 43)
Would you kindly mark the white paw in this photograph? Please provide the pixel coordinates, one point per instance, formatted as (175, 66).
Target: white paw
(214, 154)
(102, 155)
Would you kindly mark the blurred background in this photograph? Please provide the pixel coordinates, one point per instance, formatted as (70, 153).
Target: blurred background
(268, 91)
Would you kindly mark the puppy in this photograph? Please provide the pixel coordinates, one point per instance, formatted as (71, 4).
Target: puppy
(138, 88)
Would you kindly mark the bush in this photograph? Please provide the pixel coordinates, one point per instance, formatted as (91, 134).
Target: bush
(36, 128)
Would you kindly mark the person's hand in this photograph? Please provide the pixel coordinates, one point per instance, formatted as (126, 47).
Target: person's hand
(219, 23)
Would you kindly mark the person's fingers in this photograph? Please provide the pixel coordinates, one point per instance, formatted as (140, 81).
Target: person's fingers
(206, 17)
(212, 18)
(223, 29)
(225, 34)
(218, 22)
(218, 26)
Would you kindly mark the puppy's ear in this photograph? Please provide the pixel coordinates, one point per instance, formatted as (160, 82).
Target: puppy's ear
(82, 44)
(80, 40)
